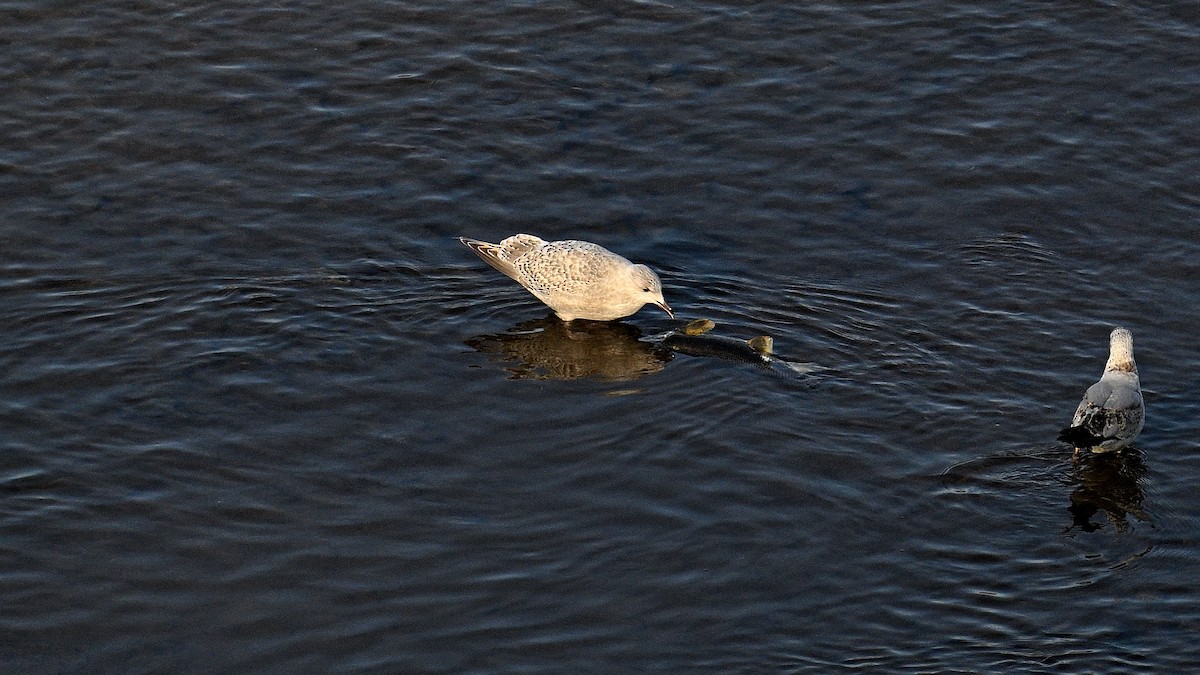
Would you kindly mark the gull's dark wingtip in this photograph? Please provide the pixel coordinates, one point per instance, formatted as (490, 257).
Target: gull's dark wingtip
(1079, 437)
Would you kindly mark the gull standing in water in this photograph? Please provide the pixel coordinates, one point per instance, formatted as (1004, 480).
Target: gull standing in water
(1112, 412)
(576, 279)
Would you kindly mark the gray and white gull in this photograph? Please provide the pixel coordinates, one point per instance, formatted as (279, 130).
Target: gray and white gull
(1112, 412)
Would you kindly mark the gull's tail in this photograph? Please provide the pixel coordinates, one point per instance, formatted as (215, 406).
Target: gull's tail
(492, 254)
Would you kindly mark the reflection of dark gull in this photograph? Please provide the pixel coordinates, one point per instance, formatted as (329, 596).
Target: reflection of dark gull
(1109, 484)
(577, 279)
(1112, 412)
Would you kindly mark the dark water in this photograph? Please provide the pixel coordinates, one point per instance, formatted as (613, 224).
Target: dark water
(262, 412)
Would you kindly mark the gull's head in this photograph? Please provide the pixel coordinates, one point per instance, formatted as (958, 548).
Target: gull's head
(1120, 351)
(649, 288)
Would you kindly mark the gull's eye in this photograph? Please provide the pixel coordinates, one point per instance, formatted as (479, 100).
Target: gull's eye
(645, 290)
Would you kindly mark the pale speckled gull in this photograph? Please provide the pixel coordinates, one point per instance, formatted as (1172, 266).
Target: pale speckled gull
(1111, 414)
(576, 279)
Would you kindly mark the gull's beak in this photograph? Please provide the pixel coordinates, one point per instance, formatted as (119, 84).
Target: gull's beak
(666, 308)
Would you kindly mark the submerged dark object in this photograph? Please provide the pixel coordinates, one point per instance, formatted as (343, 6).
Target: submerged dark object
(693, 340)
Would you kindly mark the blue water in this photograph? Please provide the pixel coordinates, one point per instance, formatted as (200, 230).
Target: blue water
(263, 413)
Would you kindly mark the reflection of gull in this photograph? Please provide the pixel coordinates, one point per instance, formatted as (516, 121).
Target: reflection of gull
(1111, 413)
(549, 349)
(577, 279)
(1108, 483)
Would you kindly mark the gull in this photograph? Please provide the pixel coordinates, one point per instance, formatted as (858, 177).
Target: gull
(1112, 412)
(576, 279)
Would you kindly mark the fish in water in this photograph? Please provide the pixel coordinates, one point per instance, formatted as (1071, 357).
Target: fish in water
(576, 279)
(1112, 412)
(691, 340)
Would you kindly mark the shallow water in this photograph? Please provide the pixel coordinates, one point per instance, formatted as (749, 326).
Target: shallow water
(263, 412)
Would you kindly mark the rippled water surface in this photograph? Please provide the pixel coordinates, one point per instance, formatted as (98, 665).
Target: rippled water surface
(263, 413)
